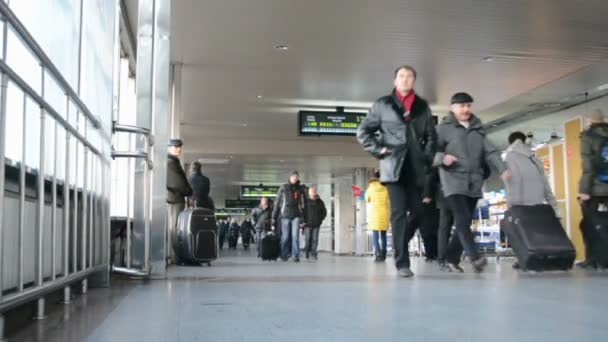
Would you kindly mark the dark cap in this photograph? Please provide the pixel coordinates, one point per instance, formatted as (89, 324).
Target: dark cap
(461, 98)
(176, 142)
(294, 173)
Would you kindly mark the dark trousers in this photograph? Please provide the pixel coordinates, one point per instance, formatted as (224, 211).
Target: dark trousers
(222, 238)
(462, 208)
(446, 222)
(312, 240)
(424, 217)
(403, 198)
(589, 233)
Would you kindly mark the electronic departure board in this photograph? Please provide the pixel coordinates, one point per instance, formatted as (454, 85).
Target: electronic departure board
(329, 123)
(249, 191)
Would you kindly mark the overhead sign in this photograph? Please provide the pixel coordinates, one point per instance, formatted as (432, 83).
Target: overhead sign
(252, 191)
(329, 123)
(242, 203)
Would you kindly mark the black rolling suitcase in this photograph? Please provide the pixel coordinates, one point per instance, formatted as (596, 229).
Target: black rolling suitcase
(196, 239)
(270, 248)
(538, 239)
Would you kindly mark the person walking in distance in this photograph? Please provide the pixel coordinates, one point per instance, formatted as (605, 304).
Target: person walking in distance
(178, 189)
(262, 221)
(405, 148)
(317, 212)
(201, 187)
(378, 214)
(463, 153)
(291, 209)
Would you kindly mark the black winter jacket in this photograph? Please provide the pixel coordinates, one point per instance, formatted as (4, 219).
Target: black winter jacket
(291, 202)
(201, 187)
(178, 187)
(316, 212)
(386, 127)
(262, 219)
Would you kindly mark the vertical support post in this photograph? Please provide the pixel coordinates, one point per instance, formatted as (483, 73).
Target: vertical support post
(22, 191)
(75, 211)
(152, 107)
(40, 309)
(66, 200)
(40, 216)
(54, 206)
(3, 94)
(67, 295)
(129, 196)
(92, 195)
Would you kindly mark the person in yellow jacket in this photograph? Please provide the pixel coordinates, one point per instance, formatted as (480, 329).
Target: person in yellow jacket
(379, 214)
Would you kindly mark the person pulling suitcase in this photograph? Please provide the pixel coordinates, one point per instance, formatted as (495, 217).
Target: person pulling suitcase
(528, 189)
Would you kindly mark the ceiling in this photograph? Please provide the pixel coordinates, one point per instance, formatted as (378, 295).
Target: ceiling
(343, 52)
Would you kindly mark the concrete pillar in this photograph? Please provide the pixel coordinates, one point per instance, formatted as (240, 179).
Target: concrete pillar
(344, 215)
(361, 179)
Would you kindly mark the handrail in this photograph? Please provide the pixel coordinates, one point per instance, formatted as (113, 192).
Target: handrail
(4, 68)
(45, 61)
(10, 301)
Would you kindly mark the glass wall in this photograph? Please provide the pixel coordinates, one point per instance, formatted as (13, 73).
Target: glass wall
(56, 27)
(78, 37)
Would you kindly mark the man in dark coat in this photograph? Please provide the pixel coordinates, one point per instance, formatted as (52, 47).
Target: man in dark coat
(316, 215)
(178, 189)
(201, 186)
(463, 152)
(290, 209)
(400, 131)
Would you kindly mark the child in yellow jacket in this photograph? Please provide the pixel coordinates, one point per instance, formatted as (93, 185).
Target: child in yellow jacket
(379, 214)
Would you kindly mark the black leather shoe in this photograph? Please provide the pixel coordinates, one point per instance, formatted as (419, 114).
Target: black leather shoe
(480, 264)
(587, 264)
(455, 268)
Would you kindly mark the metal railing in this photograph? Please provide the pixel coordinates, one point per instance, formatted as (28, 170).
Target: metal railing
(84, 207)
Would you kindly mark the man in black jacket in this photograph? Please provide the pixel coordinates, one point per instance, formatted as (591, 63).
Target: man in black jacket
(405, 148)
(316, 214)
(291, 209)
(201, 187)
(177, 191)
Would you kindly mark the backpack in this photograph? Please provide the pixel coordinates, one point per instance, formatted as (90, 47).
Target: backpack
(601, 161)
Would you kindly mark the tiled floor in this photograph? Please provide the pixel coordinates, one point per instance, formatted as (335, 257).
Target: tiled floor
(338, 299)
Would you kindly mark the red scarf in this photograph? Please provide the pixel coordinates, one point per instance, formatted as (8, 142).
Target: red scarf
(407, 100)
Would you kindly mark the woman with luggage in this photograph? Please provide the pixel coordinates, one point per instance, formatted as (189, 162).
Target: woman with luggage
(262, 221)
(379, 214)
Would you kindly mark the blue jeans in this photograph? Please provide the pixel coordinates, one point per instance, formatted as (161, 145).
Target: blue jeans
(290, 228)
(379, 235)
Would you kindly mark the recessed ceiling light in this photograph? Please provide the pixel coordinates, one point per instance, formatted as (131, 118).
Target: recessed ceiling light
(488, 59)
(244, 125)
(282, 47)
(259, 96)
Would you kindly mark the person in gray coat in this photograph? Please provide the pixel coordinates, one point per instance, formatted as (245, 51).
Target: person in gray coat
(528, 184)
(463, 153)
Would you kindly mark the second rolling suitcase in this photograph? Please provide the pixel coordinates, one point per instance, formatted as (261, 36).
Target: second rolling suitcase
(196, 239)
(270, 246)
(538, 238)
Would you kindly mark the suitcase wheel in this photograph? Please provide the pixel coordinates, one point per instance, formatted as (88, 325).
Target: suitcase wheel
(209, 264)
